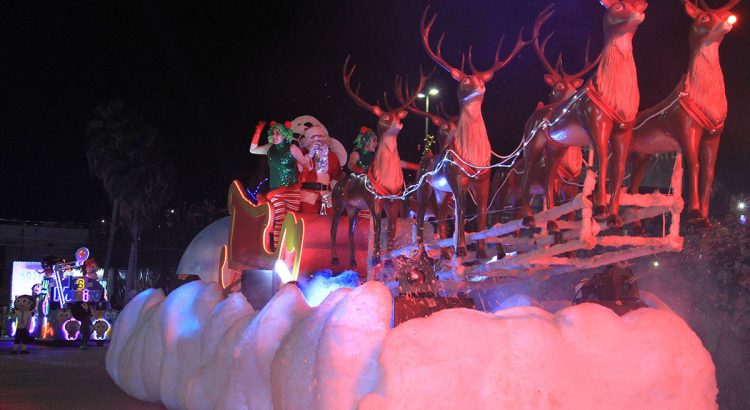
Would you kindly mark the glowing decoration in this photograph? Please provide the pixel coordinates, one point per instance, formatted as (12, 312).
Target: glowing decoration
(732, 19)
(72, 329)
(741, 206)
(656, 264)
(280, 269)
(82, 254)
(24, 276)
(100, 329)
(253, 196)
(47, 330)
(743, 219)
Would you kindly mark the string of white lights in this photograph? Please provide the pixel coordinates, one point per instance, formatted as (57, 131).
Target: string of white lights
(660, 112)
(543, 124)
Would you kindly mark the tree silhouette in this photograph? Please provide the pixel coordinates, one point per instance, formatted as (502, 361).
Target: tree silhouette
(125, 154)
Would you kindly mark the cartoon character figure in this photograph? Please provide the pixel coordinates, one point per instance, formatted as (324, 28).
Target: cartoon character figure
(90, 268)
(100, 329)
(110, 315)
(63, 315)
(71, 328)
(23, 310)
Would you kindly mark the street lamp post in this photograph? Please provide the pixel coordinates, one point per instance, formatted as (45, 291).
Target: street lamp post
(433, 92)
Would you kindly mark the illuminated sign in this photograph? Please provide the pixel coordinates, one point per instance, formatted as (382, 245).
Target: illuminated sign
(25, 275)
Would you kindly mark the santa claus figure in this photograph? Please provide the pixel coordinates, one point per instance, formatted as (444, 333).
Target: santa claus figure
(324, 171)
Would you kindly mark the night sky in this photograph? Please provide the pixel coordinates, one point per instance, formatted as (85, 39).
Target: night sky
(204, 73)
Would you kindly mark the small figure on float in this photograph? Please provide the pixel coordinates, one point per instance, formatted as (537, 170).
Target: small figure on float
(364, 151)
(324, 171)
(285, 161)
(23, 310)
(91, 273)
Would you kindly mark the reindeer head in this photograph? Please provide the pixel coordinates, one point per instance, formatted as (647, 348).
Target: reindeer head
(389, 122)
(470, 86)
(562, 85)
(623, 16)
(709, 25)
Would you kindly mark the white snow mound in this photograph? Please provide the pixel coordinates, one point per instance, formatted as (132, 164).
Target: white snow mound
(194, 350)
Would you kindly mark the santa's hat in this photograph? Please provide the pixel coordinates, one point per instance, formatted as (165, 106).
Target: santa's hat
(315, 130)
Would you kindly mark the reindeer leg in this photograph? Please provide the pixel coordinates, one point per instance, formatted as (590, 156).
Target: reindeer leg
(600, 128)
(708, 149)
(692, 137)
(639, 161)
(482, 191)
(392, 211)
(338, 205)
(620, 143)
(352, 213)
(421, 206)
(442, 200)
(458, 187)
(534, 152)
(553, 158)
(376, 206)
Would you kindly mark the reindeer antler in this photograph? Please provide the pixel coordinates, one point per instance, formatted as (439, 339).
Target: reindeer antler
(543, 16)
(410, 97)
(587, 64)
(729, 5)
(403, 96)
(347, 75)
(425, 30)
(520, 43)
(725, 7)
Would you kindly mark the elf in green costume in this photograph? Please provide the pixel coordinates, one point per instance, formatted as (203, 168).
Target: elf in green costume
(285, 161)
(364, 151)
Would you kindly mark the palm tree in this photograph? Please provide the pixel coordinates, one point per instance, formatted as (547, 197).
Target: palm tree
(124, 153)
(102, 152)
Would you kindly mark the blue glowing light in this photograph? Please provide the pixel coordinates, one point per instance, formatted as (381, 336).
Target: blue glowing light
(323, 283)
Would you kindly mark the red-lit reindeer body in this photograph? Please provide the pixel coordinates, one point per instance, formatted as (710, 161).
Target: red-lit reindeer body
(691, 119)
(469, 151)
(385, 177)
(507, 184)
(603, 115)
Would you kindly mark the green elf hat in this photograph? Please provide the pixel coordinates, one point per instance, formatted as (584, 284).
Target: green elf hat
(364, 136)
(285, 129)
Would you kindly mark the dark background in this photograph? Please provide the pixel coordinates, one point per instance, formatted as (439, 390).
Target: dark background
(203, 73)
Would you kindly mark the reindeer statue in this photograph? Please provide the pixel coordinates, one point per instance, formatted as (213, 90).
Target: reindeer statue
(385, 176)
(691, 118)
(464, 166)
(438, 203)
(601, 114)
(507, 184)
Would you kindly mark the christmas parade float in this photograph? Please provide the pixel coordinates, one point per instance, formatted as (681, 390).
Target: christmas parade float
(59, 290)
(280, 320)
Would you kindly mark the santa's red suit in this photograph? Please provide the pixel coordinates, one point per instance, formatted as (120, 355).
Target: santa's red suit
(317, 182)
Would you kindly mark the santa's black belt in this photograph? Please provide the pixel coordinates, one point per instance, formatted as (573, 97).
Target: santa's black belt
(315, 186)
